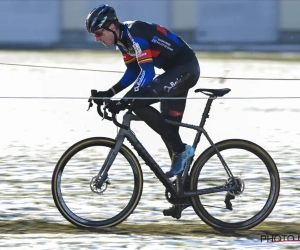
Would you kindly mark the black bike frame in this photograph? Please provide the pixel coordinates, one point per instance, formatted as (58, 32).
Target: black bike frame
(179, 191)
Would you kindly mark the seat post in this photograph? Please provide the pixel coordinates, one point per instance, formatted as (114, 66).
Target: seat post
(205, 115)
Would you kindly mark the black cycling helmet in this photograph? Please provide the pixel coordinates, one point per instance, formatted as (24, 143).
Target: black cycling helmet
(100, 17)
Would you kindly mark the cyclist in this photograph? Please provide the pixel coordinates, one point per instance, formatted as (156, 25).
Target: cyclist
(144, 46)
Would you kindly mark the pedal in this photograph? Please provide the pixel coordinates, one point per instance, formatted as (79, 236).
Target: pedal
(175, 211)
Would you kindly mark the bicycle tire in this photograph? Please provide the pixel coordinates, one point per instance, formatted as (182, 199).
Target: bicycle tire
(266, 159)
(60, 167)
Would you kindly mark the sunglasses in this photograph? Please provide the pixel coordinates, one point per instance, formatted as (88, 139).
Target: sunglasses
(98, 33)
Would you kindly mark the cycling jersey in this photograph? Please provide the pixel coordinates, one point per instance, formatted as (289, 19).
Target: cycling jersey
(145, 46)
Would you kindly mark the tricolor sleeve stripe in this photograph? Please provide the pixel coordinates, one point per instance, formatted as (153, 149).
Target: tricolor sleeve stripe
(145, 60)
(127, 58)
(144, 54)
(130, 60)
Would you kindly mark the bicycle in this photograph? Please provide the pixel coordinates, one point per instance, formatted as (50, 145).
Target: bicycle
(212, 177)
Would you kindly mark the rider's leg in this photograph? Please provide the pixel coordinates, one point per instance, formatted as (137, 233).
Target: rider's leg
(173, 110)
(160, 87)
(156, 121)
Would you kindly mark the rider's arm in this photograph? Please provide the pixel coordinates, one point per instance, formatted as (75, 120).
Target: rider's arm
(130, 75)
(145, 61)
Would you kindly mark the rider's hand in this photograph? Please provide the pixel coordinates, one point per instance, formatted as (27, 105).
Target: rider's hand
(116, 106)
(100, 95)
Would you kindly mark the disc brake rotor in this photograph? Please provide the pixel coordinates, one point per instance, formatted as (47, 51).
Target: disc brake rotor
(94, 185)
(240, 183)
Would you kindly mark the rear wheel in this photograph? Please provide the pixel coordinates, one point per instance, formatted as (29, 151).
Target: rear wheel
(76, 193)
(254, 171)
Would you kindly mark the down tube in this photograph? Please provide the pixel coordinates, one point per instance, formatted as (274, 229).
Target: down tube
(149, 161)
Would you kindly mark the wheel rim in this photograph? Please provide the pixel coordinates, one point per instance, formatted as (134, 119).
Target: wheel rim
(81, 203)
(252, 205)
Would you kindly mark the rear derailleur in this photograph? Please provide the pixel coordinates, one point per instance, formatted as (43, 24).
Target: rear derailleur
(240, 186)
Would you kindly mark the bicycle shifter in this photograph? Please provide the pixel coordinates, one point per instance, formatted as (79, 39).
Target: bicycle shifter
(90, 103)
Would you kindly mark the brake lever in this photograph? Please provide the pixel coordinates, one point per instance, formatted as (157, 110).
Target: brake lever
(105, 108)
(104, 113)
(90, 103)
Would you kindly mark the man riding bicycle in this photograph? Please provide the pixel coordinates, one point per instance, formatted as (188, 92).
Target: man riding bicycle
(145, 46)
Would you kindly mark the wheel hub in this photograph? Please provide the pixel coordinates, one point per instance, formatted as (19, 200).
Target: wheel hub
(240, 186)
(96, 188)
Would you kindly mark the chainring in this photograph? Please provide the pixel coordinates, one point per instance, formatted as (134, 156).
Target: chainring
(175, 200)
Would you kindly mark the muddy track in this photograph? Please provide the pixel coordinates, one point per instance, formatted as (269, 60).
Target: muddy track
(42, 227)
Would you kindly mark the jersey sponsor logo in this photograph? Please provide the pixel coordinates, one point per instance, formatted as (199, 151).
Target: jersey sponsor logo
(137, 49)
(162, 43)
(141, 55)
(140, 81)
(172, 85)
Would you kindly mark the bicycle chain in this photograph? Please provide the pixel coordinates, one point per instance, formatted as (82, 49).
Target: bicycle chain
(183, 201)
(210, 180)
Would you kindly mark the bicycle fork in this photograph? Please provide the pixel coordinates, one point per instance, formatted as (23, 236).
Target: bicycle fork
(103, 173)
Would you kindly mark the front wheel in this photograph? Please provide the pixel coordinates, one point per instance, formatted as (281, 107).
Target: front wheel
(256, 174)
(76, 193)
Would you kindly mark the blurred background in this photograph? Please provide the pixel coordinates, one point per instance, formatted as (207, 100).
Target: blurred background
(207, 25)
(48, 65)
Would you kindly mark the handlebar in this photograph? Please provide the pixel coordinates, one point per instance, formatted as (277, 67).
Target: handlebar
(113, 118)
(104, 114)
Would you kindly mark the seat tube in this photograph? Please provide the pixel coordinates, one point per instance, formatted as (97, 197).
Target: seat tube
(205, 115)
